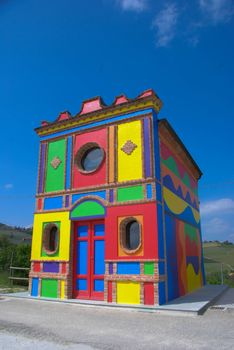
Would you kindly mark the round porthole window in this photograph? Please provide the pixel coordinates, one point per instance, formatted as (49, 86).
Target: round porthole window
(130, 235)
(51, 238)
(89, 157)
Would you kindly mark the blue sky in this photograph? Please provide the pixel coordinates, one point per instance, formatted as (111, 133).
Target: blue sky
(54, 54)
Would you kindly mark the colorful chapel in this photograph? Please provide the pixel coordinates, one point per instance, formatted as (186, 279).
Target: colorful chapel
(117, 209)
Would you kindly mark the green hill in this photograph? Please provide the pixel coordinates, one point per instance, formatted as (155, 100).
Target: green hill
(219, 256)
(221, 252)
(16, 234)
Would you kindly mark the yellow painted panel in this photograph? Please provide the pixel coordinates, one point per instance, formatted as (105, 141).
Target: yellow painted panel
(62, 289)
(178, 205)
(64, 236)
(128, 293)
(130, 165)
(193, 280)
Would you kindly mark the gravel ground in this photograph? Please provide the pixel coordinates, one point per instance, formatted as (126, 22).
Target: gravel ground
(27, 324)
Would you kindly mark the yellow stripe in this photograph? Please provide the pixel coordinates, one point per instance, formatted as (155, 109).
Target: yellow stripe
(62, 289)
(178, 205)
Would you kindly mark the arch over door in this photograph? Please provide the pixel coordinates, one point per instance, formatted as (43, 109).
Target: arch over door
(88, 208)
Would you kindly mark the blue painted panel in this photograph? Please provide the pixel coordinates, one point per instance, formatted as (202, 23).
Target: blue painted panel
(149, 191)
(162, 293)
(101, 194)
(126, 268)
(82, 254)
(160, 232)
(92, 125)
(172, 266)
(53, 203)
(81, 284)
(98, 285)
(35, 283)
(161, 268)
(158, 192)
(68, 162)
(99, 256)
(82, 231)
(99, 230)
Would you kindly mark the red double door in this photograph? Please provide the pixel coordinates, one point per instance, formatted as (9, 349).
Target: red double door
(89, 260)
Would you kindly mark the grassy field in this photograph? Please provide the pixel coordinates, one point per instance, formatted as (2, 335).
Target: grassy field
(219, 260)
(222, 253)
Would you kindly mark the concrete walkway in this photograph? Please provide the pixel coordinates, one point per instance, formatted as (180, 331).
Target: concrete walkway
(192, 304)
(226, 301)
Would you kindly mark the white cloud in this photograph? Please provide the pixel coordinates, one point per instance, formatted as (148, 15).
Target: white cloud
(133, 5)
(165, 24)
(217, 11)
(223, 205)
(8, 186)
(218, 228)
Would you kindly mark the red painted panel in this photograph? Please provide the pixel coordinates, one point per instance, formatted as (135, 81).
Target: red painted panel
(98, 177)
(181, 257)
(148, 294)
(192, 248)
(150, 228)
(36, 267)
(64, 268)
(109, 297)
(39, 204)
(92, 105)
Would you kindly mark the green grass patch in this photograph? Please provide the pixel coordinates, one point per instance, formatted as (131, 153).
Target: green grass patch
(215, 254)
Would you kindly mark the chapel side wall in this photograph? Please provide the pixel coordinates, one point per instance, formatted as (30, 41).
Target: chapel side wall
(185, 271)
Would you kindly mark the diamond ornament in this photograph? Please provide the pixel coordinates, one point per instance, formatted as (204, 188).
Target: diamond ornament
(128, 147)
(56, 161)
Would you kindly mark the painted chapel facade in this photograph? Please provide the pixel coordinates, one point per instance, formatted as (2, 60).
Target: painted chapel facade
(117, 210)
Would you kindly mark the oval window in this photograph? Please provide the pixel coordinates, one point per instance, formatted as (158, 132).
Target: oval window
(89, 157)
(92, 159)
(50, 238)
(130, 237)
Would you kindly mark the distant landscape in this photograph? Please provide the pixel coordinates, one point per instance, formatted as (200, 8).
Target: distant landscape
(15, 247)
(16, 234)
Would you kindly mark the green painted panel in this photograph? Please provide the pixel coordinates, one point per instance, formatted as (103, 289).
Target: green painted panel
(43, 252)
(87, 208)
(149, 268)
(130, 193)
(49, 288)
(191, 232)
(55, 174)
(170, 163)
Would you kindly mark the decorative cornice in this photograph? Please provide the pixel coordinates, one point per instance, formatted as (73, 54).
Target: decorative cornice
(94, 109)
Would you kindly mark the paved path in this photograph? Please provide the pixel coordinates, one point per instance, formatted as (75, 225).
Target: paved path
(226, 301)
(27, 324)
(194, 303)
